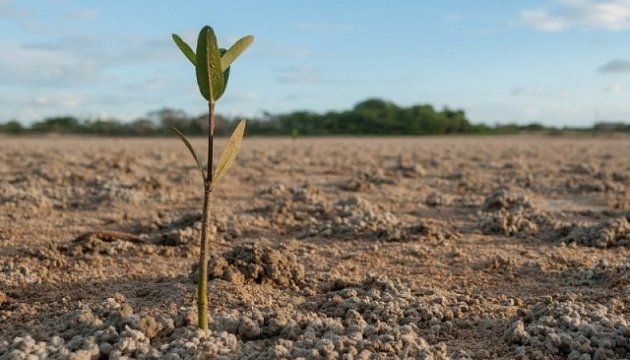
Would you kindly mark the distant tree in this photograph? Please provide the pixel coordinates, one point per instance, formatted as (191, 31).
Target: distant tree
(369, 117)
(60, 124)
(611, 126)
(222, 126)
(507, 128)
(374, 106)
(533, 127)
(107, 127)
(170, 118)
(12, 127)
(142, 127)
(457, 122)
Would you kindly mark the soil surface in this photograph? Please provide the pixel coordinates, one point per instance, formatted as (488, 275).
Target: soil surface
(350, 248)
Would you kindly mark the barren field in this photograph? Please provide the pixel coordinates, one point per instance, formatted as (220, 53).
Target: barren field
(349, 248)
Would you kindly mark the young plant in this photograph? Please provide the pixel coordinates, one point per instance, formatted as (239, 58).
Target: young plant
(212, 68)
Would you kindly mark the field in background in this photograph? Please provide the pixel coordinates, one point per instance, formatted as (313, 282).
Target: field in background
(469, 247)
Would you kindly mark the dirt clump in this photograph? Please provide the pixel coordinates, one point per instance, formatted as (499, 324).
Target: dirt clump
(431, 230)
(175, 229)
(342, 329)
(15, 273)
(354, 216)
(608, 233)
(507, 223)
(504, 199)
(92, 244)
(22, 194)
(258, 264)
(288, 206)
(364, 321)
(408, 168)
(508, 213)
(609, 275)
(571, 330)
(437, 199)
(313, 215)
(112, 329)
(512, 213)
(366, 180)
(172, 230)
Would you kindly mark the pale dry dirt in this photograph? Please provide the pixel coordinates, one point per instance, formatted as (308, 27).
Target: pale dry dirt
(351, 248)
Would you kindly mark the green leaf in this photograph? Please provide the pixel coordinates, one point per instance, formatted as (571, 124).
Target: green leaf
(208, 64)
(191, 149)
(226, 76)
(229, 152)
(236, 50)
(181, 44)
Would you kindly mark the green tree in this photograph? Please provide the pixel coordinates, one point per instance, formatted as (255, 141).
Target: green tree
(12, 127)
(59, 124)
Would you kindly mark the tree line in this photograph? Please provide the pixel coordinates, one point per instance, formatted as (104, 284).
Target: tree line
(369, 117)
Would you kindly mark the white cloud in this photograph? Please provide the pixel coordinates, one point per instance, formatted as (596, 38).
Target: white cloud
(77, 60)
(610, 15)
(540, 19)
(62, 101)
(24, 65)
(77, 74)
(615, 89)
(33, 106)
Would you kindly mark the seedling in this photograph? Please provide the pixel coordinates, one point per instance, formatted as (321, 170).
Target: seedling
(212, 68)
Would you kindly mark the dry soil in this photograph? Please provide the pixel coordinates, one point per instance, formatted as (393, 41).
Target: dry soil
(351, 248)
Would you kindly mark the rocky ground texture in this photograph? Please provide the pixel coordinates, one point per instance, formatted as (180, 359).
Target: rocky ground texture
(412, 248)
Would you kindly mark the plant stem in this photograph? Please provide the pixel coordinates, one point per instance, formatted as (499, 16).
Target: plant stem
(202, 290)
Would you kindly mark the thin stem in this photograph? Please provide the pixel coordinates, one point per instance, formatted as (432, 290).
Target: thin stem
(202, 290)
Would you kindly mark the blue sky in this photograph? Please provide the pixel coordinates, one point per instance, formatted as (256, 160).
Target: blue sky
(559, 62)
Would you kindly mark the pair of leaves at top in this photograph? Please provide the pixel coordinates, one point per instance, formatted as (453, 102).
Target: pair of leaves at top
(212, 64)
(212, 68)
(227, 156)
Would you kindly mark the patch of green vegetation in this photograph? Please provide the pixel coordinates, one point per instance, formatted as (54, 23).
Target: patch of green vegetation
(369, 117)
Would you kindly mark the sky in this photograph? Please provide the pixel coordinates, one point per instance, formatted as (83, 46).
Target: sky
(556, 62)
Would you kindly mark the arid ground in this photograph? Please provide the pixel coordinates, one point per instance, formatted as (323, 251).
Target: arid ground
(323, 248)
